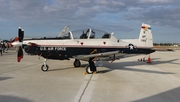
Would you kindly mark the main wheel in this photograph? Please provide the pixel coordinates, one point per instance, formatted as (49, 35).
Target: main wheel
(77, 63)
(88, 70)
(44, 68)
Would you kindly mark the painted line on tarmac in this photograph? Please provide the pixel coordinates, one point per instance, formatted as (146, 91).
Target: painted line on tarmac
(84, 89)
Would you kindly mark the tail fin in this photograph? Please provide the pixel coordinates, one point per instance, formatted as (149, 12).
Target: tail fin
(65, 30)
(145, 37)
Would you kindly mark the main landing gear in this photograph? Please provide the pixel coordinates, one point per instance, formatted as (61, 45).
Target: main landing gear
(91, 68)
(88, 70)
(77, 63)
(44, 67)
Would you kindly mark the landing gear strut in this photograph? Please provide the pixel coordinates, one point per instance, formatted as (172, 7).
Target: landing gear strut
(77, 63)
(44, 67)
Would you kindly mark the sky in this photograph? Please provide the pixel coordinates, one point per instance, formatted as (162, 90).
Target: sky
(123, 17)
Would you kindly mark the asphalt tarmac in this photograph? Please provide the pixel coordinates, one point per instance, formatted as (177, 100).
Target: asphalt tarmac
(124, 80)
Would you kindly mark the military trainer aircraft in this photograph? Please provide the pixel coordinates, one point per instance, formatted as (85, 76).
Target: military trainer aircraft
(87, 44)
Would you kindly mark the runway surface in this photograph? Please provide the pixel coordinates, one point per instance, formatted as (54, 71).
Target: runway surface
(125, 80)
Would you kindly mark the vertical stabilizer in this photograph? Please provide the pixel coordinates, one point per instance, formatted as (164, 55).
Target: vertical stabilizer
(145, 37)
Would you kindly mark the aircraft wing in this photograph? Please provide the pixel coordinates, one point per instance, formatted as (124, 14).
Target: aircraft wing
(106, 56)
(86, 57)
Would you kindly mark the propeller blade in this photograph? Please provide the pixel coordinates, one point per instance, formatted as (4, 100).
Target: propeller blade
(20, 34)
(19, 54)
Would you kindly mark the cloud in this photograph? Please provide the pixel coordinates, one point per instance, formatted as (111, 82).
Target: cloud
(163, 16)
(37, 12)
(156, 12)
(107, 14)
(156, 1)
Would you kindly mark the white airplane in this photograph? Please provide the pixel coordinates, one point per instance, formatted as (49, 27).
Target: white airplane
(89, 45)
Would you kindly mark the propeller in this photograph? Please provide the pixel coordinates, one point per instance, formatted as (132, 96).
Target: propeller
(20, 51)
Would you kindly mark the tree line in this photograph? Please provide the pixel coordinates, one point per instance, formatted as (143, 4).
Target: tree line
(166, 44)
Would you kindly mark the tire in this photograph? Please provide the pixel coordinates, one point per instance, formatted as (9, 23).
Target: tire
(88, 70)
(77, 63)
(44, 68)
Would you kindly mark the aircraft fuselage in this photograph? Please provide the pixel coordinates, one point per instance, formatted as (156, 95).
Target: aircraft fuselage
(66, 49)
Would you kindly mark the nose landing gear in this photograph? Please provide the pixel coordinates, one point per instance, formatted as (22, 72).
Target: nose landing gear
(44, 67)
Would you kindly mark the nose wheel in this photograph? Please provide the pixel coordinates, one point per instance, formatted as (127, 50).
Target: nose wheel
(44, 67)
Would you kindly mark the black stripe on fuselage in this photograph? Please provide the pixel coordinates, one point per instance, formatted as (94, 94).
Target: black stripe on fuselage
(68, 52)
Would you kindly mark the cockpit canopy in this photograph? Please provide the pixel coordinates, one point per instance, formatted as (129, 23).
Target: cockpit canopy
(87, 34)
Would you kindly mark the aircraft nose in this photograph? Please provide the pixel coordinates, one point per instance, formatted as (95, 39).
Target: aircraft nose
(11, 44)
(16, 44)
